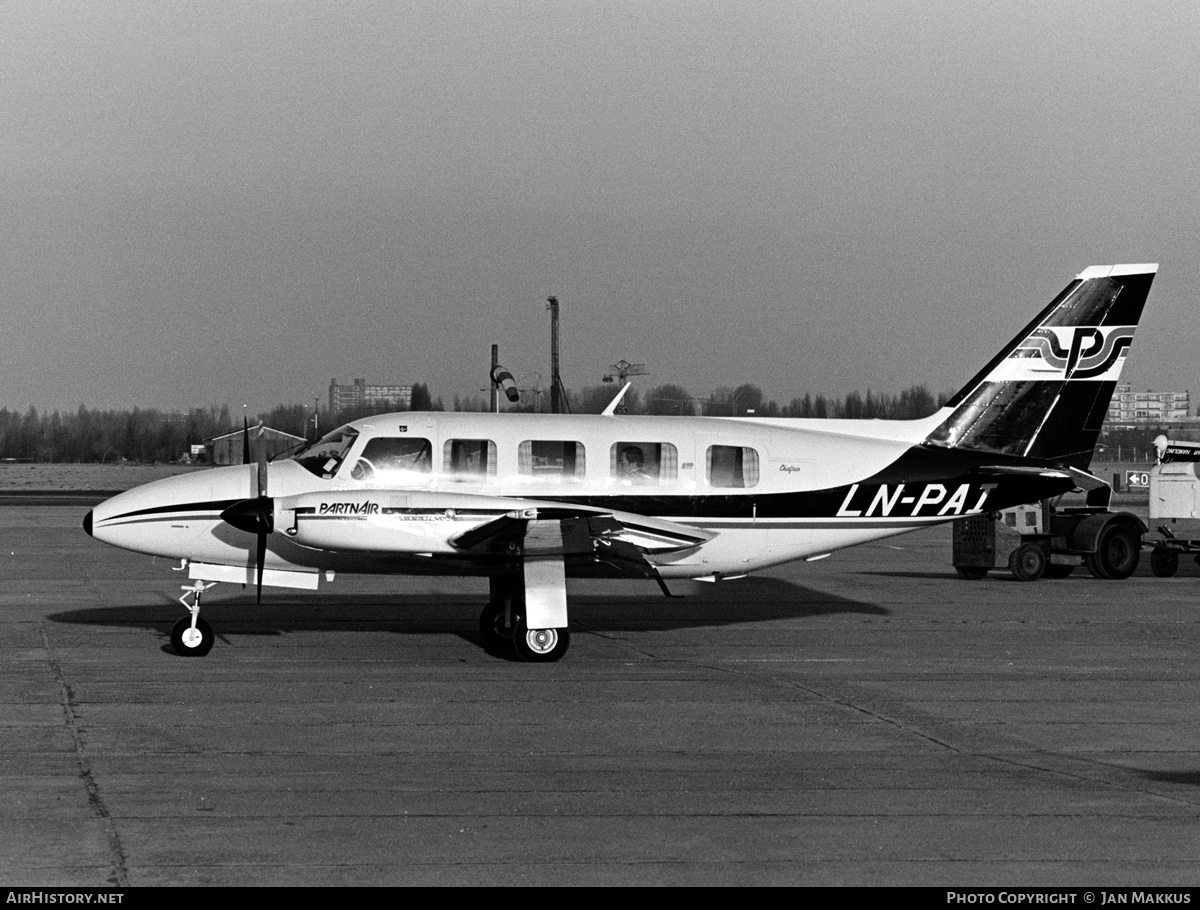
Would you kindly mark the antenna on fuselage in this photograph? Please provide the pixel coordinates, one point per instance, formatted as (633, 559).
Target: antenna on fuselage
(621, 370)
(616, 402)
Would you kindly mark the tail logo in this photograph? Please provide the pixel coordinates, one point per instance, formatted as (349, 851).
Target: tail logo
(1068, 352)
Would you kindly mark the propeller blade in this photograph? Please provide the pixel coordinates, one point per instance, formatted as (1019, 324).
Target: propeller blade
(262, 463)
(255, 515)
(260, 558)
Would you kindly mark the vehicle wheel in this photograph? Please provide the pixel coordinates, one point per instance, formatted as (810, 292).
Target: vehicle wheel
(1163, 562)
(540, 645)
(971, 573)
(189, 642)
(495, 628)
(1028, 562)
(1058, 570)
(1093, 566)
(1118, 552)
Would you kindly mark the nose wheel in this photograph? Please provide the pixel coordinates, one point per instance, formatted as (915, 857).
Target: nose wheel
(192, 636)
(190, 640)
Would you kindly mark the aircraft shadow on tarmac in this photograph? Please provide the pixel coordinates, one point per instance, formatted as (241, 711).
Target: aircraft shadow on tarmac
(1080, 574)
(1003, 575)
(949, 575)
(745, 600)
(1185, 778)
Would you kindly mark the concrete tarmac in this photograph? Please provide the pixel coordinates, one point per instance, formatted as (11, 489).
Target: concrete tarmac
(870, 719)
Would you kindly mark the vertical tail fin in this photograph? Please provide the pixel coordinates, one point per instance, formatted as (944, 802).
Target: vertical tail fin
(1046, 394)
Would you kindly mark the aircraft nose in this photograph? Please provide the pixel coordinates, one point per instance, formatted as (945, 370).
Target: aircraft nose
(87, 522)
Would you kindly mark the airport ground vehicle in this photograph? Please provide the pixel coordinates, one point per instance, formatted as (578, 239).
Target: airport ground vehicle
(1174, 504)
(1043, 538)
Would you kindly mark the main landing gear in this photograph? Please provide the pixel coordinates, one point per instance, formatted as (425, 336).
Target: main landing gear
(502, 625)
(192, 636)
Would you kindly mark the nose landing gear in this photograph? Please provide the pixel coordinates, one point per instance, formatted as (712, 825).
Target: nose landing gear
(192, 636)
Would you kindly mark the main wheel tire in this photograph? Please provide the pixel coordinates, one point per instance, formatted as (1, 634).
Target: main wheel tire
(1118, 552)
(1163, 562)
(540, 646)
(971, 573)
(1027, 562)
(1092, 564)
(189, 642)
(495, 627)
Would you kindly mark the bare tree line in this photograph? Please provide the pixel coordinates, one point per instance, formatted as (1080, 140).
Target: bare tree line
(150, 435)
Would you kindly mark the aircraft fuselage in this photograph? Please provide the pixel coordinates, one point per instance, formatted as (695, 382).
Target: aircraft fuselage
(764, 492)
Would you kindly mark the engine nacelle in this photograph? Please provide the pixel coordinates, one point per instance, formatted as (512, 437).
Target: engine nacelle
(384, 521)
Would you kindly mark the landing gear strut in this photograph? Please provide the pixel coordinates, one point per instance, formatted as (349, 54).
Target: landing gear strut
(192, 636)
(502, 625)
(497, 623)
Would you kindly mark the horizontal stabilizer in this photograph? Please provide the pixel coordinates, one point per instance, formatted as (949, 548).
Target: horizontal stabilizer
(1008, 470)
(1088, 481)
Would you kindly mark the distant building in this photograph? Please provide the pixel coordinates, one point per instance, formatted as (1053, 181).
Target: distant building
(1128, 406)
(228, 449)
(359, 394)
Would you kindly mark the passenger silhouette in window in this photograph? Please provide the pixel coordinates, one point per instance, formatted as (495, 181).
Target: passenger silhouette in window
(632, 466)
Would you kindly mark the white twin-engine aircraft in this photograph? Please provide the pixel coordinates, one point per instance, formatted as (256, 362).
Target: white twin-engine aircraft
(530, 499)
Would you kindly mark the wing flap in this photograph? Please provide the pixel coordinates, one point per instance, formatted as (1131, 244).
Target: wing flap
(495, 535)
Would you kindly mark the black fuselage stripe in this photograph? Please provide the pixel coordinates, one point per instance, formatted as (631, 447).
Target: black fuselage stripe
(210, 506)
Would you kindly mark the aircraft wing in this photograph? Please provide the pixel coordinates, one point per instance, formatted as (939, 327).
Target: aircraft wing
(620, 540)
(470, 526)
(579, 529)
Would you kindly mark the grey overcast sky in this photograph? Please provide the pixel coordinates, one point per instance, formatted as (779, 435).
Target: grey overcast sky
(233, 202)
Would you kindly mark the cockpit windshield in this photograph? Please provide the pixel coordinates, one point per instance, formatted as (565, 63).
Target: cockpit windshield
(325, 456)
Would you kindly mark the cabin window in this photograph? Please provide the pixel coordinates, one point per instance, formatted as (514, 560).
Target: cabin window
(394, 459)
(469, 459)
(551, 458)
(643, 463)
(324, 456)
(731, 466)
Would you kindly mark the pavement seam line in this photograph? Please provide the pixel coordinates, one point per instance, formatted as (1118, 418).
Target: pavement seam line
(119, 875)
(958, 750)
(920, 734)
